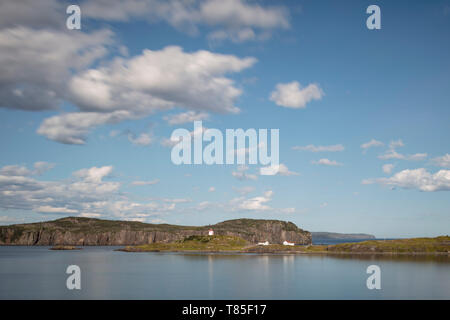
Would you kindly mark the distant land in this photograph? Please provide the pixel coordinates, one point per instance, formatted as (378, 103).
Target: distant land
(343, 236)
(231, 244)
(233, 236)
(77, 231)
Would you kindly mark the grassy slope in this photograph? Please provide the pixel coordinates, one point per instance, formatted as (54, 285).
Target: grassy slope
(424, 245)
(195, 243)
(414, 245)
(236, 244)
(77, 224)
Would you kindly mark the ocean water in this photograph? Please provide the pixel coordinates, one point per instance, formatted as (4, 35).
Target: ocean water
(40, 273)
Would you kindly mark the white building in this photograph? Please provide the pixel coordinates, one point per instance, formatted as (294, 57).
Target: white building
(287, 243)
(210, 232)
(263, 243)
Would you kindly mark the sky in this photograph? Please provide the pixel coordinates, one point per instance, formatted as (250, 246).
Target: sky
(86, 115)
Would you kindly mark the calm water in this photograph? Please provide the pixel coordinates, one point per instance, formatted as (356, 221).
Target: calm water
(39, 273)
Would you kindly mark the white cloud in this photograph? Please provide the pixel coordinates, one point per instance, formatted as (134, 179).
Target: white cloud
(85, 194)
(170, 142)
(256, 203)
(419, 179)
(15, 170)
(372, 143)
(443, 161)
(144, 139)
(387, 168)
(145, 183)
(136, 87)
(35, 65)
(211, 189)
(291, 95)
(241, 174)
(396, 144)
(94, 174)
(36, 14)
(327, 162)
(313, 148)
(72, 128)
(281, 170)
(185, 117)
(40, 167)
(49, 209)
(45, 66)
(416, 156)
(391, 153)
(161, 79)
(239, 20)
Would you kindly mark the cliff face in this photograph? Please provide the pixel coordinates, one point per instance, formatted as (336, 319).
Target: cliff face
(85, 231)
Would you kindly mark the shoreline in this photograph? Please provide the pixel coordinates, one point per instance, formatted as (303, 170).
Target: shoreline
(242, 252)
(289, 252)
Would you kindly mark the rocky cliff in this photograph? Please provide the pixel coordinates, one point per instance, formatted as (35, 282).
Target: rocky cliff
(96, 232)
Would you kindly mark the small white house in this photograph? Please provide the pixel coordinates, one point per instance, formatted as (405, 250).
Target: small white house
(210, 232)
(263, 243)
(287, 243)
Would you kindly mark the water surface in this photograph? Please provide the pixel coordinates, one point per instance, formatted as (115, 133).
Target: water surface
(39, 273)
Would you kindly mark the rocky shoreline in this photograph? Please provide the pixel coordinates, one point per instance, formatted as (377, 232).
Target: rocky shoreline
(76, 231)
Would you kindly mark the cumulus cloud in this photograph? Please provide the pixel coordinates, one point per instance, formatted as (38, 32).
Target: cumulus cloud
(443, 161)
(73, 128)
(36, 14)
(419, 179)
(17, 170)
(241, 174)
(327, 162)
(161, 79)
(189, 116)
(387, 168)
(86, 193)
(35, 65)
(256, 203)
(136, 87)
(370, 144)
(396, 144)
(49, 209)
(145, 183)
(313, 148)
(292, 95)
(280, 169)
(391, 153)
(170, 142)
(238, 20)
(44, 66)
(143, 139)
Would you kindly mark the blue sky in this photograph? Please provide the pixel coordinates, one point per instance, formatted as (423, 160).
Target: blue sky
(92, 108)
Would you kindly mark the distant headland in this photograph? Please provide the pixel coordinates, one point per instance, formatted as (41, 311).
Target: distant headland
(77, 231)
(236, 236)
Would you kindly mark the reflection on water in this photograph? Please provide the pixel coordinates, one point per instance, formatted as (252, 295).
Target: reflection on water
(39, 273)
